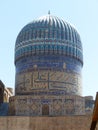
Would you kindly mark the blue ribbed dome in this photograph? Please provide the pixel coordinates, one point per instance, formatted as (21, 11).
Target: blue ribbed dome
(48, 58)
(48, 35)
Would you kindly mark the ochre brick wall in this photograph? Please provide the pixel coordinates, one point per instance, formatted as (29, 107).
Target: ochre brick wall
(45, 123)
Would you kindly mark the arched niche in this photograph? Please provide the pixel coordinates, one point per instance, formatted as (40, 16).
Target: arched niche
(45, 109)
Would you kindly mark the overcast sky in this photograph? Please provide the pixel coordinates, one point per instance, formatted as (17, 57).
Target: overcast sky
(83, 14)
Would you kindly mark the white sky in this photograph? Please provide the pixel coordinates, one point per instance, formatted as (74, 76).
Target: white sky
(14, 14)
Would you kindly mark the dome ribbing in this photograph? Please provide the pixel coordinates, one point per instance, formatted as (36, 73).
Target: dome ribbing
(48, 35)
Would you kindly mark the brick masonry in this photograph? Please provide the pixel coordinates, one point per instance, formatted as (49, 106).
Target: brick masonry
(45, 123)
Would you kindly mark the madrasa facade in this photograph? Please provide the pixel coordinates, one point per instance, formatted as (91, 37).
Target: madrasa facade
(48, 79)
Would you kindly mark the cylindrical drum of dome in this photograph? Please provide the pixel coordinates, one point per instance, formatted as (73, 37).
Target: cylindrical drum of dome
(48, 58)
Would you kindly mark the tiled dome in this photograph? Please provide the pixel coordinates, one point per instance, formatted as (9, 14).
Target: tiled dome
(48, 35)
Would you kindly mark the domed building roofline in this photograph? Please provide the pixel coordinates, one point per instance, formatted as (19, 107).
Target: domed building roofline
(53, 20)
(49, 32)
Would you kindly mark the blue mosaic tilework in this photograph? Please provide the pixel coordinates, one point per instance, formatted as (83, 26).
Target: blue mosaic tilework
(48, 35)
(49, 49)
(51, 80)
(48, 55)
(52, 105)
(48, 27)
(48, 93)
(48, 62)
